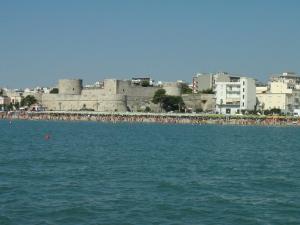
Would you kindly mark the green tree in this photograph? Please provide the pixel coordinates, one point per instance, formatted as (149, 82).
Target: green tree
(145, 83)
(208, 91)
(159, 95)
(168, 102)
(28, 100)
(147, 109)
(272, 111)
(186, 90)
(17, 105)
(199, 110)
(54, 91)
(275, 111)
(172, 103)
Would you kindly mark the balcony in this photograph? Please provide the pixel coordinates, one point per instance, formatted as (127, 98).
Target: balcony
(233, 99)
(229, 103)
(233, 103)
(233, 90)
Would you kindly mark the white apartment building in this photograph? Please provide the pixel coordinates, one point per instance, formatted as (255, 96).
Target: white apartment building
(235, 96)
(283, 93)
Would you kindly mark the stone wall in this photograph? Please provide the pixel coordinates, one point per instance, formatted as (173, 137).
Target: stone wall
(172, 88)
(126, 88)
(110, 86)
(137, 97)
(38, 96)
(202, 102)
(101, 102)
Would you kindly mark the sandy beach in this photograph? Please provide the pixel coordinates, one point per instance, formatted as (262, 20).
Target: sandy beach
(164, 118)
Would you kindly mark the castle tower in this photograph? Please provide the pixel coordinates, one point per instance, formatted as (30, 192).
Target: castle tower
(70, 86)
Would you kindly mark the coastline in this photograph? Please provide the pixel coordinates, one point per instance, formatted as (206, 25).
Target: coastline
(162, 118)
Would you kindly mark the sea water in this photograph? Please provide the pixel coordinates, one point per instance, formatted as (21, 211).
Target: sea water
(123, 173)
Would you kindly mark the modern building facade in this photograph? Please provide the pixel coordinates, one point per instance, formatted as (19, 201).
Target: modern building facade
(236, 96)
(283, 92)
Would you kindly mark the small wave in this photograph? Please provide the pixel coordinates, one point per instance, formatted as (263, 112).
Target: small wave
(4, 220)
(167, 185)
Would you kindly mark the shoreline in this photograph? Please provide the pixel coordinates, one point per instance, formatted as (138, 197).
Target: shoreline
(161, 118)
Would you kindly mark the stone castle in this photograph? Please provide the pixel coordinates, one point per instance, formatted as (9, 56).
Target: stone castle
(113, 96)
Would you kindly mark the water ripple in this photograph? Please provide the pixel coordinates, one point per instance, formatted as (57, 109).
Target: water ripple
(101, 173)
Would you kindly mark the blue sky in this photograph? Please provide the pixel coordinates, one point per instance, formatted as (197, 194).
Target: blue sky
(42, 41)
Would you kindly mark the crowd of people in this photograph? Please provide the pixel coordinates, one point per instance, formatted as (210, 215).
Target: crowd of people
(153, 118)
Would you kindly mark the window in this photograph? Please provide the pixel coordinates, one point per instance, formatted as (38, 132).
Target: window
(243, 89)
(243, 104)
(243, 96)
(243, 82)
(228, 111)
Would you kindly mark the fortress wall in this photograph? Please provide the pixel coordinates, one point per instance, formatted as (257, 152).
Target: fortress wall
(110, 86)
(139, 91)
(125, 87)
(60, 101)
(92, 93)
(172, 88)
(205, 102)
(38, 96)
(135, 103)
(113, 103)
(105, 103)
(147, 92)
(137, 97)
